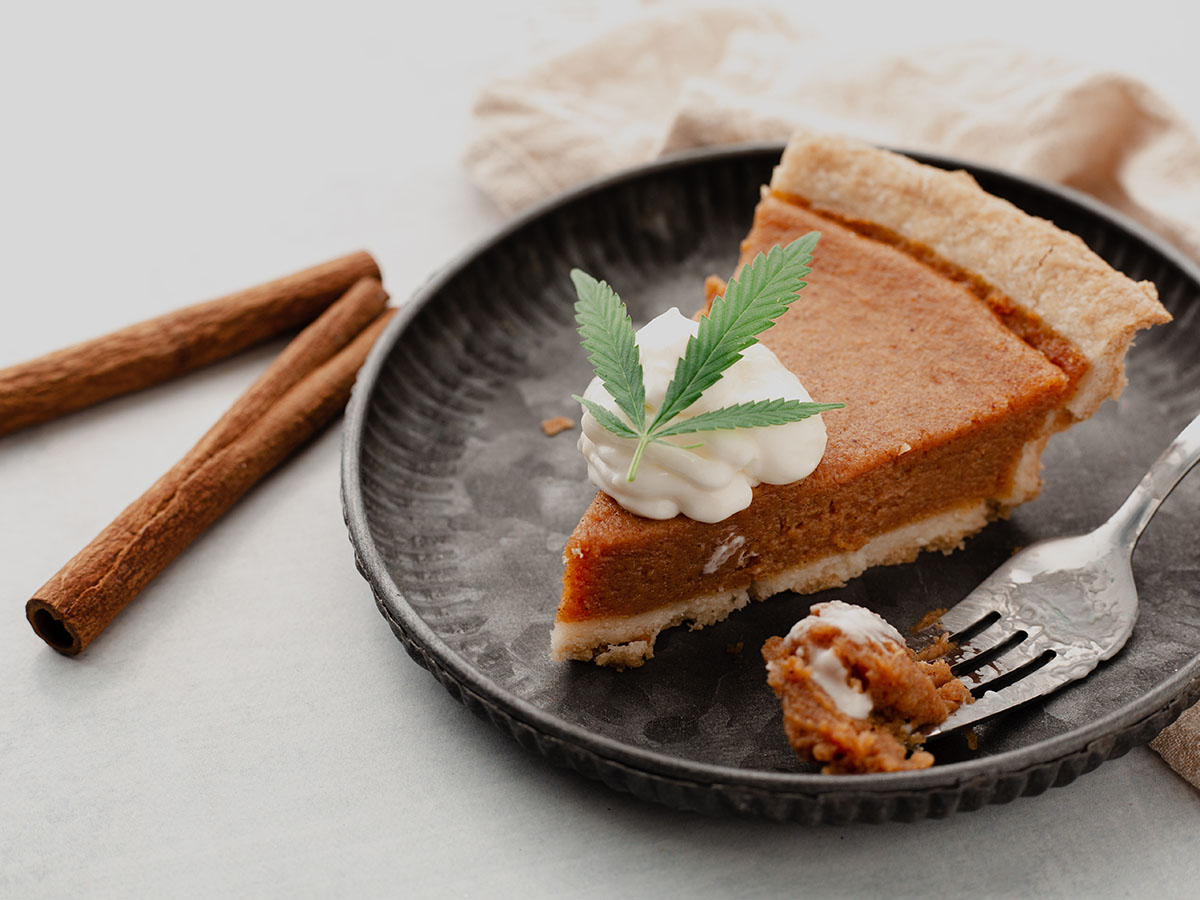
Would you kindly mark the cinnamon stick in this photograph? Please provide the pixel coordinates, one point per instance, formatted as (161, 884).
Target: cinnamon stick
(161, 348)
(305, 387)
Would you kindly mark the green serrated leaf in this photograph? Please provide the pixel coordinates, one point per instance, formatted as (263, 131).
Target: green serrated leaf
(753, 301)
(607, 334)
(746, 415)
(606, 418)
(760, 294)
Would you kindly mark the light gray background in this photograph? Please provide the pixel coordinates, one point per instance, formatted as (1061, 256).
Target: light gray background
(249, 726)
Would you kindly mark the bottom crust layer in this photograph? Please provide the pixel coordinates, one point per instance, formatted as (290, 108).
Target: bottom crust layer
(628, 641)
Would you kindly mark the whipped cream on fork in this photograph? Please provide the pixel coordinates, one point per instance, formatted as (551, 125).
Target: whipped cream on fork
(828, 670)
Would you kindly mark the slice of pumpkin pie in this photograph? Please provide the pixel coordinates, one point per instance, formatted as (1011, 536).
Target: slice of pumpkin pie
(959, 332)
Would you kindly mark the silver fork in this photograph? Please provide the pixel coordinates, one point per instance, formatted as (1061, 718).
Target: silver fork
(1054, 611)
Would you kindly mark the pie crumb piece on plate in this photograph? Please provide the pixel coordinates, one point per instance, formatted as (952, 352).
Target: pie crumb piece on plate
(556, 425)
(854, 695)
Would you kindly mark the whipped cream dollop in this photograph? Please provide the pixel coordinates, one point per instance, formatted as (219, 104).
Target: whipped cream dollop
(827, 668)
(711, 482)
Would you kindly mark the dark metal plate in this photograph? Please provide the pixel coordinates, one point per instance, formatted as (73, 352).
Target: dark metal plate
(458, 507)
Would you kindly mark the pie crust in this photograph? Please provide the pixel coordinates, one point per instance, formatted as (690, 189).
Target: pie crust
(1038, 266)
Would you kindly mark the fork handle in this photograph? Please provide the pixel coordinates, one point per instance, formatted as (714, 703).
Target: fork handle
(1139, 508)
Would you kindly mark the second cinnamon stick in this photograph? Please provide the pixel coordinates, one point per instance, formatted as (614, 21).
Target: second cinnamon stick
(308, 383)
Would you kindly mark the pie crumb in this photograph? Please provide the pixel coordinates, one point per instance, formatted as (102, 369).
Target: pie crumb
(937, 649)
(556, 424)
(930, 618)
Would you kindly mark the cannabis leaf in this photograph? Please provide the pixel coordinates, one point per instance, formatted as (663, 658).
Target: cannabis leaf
(746, 415)
(752, 302)
(760, 294)
(607, 334)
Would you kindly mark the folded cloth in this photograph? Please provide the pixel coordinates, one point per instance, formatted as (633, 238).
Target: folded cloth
(668, 81)
(1179, 745)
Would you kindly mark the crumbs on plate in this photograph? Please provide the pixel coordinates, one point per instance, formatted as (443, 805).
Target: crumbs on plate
(556, 424)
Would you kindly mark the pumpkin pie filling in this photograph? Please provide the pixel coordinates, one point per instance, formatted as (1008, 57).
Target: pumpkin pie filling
(951, 390)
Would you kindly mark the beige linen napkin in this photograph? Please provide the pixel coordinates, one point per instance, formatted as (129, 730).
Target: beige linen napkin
(669, 81)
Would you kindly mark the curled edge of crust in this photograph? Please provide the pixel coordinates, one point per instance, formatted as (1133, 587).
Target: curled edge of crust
(1040, 267)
